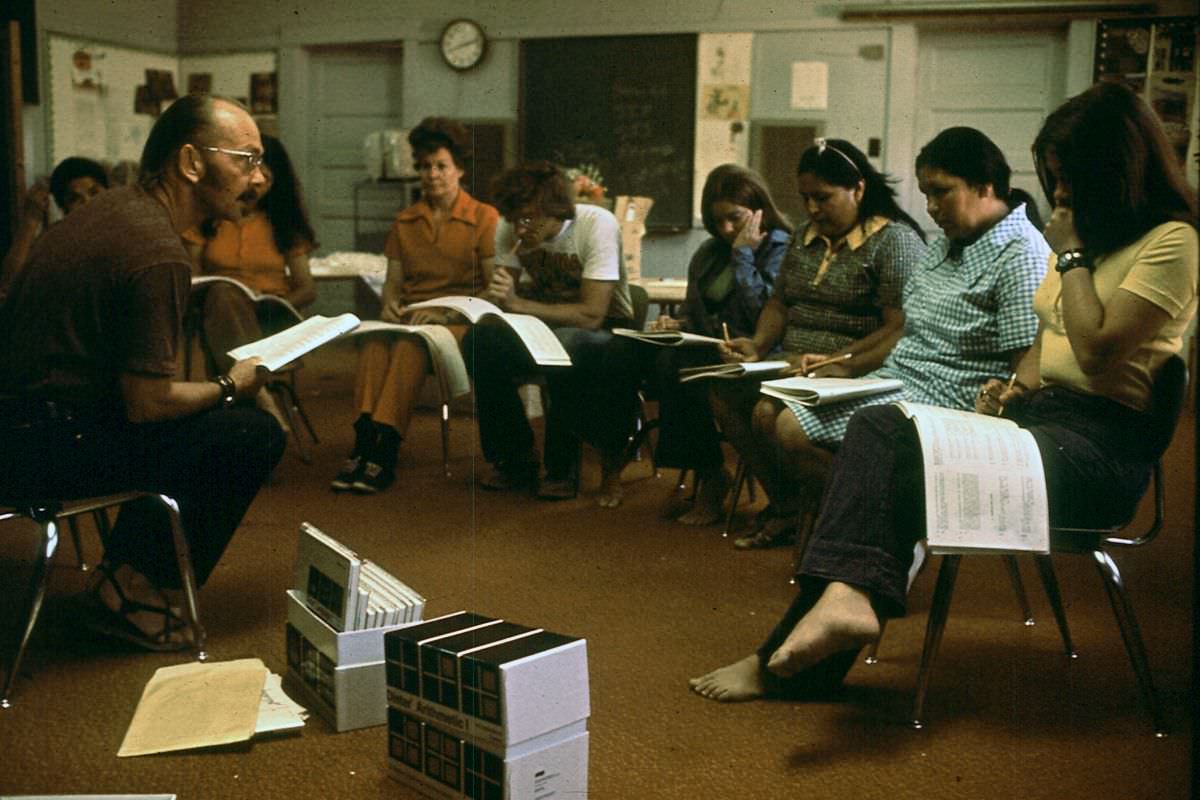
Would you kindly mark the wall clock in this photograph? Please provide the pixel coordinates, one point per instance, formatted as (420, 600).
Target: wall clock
(463, 44)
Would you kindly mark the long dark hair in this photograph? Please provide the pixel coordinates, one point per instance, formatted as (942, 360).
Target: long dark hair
(839, 163)
(742, 187)
(969, 154)
(284, 204)
(1124, 176)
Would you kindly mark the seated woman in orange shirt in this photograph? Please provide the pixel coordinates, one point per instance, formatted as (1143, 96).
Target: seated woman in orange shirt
(443, 244)
(267, 251)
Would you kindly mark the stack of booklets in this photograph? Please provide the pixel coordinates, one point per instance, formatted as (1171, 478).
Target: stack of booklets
(826, 391)
(347, 592)
(484, 708)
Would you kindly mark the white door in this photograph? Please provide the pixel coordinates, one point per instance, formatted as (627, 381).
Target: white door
(1004, 83)
(353, 91)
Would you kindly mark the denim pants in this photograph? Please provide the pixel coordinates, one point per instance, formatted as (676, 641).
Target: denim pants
(497, 361)
(873, 511)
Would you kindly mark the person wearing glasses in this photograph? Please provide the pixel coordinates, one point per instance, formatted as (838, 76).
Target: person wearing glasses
(443, 244)
(265, 251)
(1113, 310)
(837, 298)
(560, 262)
(89, 401)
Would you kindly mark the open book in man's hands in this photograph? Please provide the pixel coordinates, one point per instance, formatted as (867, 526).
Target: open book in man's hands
(538, 338)
(303, 337)
(824, 391)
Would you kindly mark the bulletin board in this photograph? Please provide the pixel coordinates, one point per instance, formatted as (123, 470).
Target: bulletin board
(102, 99)
(624, 105)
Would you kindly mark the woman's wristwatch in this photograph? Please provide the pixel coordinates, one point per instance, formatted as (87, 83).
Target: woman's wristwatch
(1072, 259)
(228, 390)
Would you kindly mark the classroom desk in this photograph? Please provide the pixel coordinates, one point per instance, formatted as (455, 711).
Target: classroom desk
(666, 293)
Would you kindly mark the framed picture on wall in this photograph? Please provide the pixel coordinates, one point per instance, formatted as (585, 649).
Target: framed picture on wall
(263, 97)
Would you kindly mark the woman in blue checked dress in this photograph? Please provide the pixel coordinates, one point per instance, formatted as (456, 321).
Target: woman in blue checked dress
(1113, 311)
(968, 316)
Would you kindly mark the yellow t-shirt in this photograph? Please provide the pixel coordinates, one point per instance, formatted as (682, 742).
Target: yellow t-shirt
(1161, 268)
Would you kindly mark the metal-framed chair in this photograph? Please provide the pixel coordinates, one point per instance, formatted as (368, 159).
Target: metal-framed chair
(48, 514)
(1167, 402)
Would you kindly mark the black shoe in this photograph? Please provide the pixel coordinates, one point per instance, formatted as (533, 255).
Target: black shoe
(503, 477)
(351, 472)
(374, 478)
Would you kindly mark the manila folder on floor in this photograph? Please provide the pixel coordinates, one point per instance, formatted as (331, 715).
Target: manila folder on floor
(984, 485)
(196, 705)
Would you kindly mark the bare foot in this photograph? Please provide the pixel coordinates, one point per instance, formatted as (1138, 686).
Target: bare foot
(734, 683)
(611, 492)
(131, 594)
(710, 499)
(842, 619)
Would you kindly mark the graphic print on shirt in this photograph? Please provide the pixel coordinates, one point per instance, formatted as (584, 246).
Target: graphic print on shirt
(553, 277)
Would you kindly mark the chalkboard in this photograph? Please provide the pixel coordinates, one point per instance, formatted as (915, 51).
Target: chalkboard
(626, 105)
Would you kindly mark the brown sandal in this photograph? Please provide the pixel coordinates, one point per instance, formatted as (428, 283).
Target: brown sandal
(117, 623)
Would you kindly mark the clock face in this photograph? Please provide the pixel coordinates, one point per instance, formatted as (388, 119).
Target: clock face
(463, 44)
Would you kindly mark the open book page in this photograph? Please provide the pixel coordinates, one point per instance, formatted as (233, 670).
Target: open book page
(470, 307)
(257, 297)
(278, 713)
(984, 484)
(535, 334)
(443, 350)
(669, 338)
(823, 391)
(288, 345)
(743, 369)
(196, 705)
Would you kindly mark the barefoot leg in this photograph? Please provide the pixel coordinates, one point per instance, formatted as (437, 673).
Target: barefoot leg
(739, 681)
(710, 500)
(842, 619)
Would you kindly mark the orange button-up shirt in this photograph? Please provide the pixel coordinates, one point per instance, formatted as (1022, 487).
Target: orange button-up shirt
(445, 260)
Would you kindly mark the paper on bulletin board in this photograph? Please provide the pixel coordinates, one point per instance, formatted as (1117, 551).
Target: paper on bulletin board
(810, 85)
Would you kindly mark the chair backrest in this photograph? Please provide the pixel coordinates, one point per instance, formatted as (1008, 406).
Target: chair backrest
(641, 305)
(1166, 403)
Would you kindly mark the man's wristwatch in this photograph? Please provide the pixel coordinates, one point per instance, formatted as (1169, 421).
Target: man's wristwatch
(1072, 259)
(228, 390)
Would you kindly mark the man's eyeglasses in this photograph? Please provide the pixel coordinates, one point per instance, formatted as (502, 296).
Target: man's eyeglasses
(250, 160)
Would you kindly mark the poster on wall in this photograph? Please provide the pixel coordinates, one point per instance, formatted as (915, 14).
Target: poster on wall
(1156, 57)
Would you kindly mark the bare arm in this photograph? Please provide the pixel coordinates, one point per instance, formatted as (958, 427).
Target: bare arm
(588, 313)
(768, 331)
(33, 219)
(156, 399)
(866, 354)
(302, 288)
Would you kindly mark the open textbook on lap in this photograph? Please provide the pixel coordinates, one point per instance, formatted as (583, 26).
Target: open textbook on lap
(288, 345)
(741, 369)
(442, 346)
(824, 391)
(985, 489)
(668, 338)
(538, 338)
(257, 297)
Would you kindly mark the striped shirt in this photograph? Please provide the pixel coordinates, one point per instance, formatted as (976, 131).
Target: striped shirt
(965, 315)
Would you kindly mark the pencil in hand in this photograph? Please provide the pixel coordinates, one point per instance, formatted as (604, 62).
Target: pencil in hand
(725, 331)
(826, 362)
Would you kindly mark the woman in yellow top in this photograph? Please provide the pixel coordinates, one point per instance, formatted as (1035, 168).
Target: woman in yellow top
(443, 244)
(1111, 313)
(267, 252)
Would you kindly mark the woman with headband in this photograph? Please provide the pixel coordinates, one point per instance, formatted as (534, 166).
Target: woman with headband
(838, 293)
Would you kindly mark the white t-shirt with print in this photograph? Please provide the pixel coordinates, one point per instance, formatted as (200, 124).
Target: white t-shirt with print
(587, 247)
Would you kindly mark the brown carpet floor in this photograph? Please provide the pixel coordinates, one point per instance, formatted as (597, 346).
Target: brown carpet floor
(1009, 716)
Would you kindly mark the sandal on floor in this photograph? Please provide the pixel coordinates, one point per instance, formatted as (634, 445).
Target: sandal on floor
(117, 624)
(774, 532)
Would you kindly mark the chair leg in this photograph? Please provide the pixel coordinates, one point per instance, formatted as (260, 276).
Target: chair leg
(938, 613)
(446, 438)
(300, 408)
(37, 593)
(183, 556)
(739, 479)
(1130, 632)
(103, 526)
(1050, 582)
(681, 481)
(1014, 574)
(73, 526)
(291, 410)
(872, 656)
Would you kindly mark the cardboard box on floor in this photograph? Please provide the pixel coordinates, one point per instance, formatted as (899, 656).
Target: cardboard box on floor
(631, 212)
